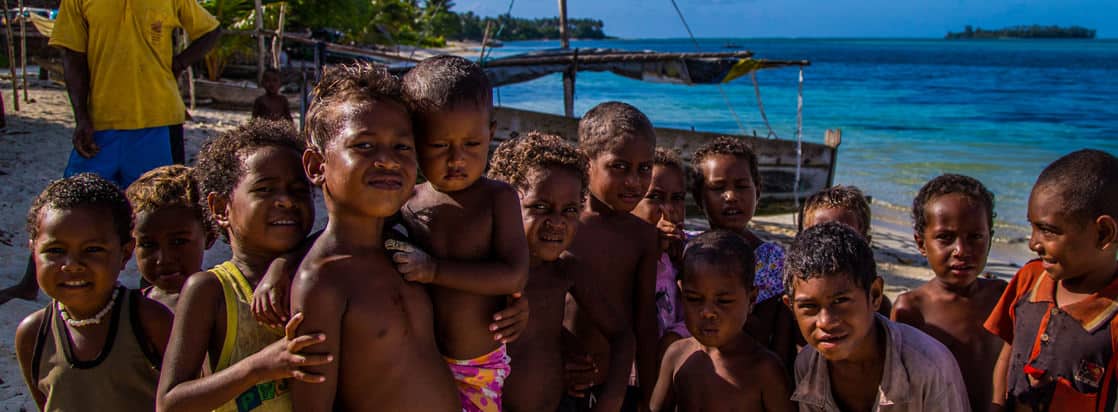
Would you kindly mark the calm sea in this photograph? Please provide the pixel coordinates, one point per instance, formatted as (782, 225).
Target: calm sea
(909, 109)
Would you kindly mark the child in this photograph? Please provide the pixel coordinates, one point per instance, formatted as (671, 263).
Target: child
(467, 222)
(258, 195)
(96, 346)
(362, 155)
(953, 221)
(720, 367)
(857, 360)
(173, 230)
(1057, 314)
(550, 176)
(271, 105)
(663, 206)
(726, 185)
(845, 204)
(614, 250)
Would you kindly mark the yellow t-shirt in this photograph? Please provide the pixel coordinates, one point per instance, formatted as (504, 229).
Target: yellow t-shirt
(128, 44)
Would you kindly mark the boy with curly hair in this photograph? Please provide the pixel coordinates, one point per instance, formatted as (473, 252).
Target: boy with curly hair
(550, 176)
(172, 229)
(953, 225)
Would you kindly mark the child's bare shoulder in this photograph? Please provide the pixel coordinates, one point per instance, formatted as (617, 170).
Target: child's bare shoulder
(29, 327)
(156, 320)
(909, 306)
(679, 351)
(202, 286)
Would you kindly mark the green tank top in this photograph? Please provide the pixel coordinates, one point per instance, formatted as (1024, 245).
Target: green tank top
(245, 336)
(121, 378)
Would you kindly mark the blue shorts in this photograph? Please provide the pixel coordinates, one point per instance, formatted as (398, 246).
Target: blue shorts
(125, 154)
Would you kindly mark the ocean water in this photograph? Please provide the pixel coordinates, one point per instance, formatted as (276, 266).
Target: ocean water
(909, 109)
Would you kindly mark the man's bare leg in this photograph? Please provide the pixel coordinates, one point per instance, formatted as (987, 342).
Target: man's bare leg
(27, 288)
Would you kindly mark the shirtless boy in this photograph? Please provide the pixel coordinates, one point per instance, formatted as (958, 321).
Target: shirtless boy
(857, 360)
(271, 105)
(550, 175)
(953, 220)
(720, 367)
(470, 224)
(614, 250)
(380, 327)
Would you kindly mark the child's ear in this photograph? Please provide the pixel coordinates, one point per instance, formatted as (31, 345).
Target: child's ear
(1108, 232)
(126, 251)
(877, 291)
(787, 301)
(919, 238)
(314, 166)
(219, 208)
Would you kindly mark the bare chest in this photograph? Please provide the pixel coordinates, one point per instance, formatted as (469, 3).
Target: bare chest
(704, 385)
(448, 229)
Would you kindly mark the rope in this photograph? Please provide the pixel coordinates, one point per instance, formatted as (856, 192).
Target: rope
(500, 28)
(761, 105)
(799, 141)
(721, 90)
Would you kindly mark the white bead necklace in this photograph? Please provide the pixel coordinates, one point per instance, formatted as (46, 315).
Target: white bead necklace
(95, 320)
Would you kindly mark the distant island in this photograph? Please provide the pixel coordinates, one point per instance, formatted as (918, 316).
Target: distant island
(472, 27)
(1024, 32)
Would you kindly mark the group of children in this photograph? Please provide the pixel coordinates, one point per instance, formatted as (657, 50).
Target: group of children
(415, 297)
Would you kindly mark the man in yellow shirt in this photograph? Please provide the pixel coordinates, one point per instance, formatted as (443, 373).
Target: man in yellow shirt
(121, 71)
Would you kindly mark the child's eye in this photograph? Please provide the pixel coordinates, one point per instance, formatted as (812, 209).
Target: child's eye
(54, 251)
(725, 301)
(571, 211)
(841, 300)
(145, 244)
(645, 168)
(473, 144)
(94, 249)
(679, 197)
(620, 166)
(362, 146)
(262, 189)
(438, 145)
(179, 241)
(693, 299)
(654, 196)
(539, 206)
(403, 148)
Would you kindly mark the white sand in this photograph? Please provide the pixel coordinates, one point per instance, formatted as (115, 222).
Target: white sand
(38, 142)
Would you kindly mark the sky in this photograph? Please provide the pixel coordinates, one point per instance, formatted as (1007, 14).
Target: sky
(813, 18)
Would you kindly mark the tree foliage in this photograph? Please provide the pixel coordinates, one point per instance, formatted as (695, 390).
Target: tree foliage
(1025, 32)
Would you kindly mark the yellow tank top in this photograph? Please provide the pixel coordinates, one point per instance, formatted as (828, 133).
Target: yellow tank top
(245, 336)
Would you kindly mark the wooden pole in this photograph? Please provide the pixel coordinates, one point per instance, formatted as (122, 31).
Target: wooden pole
(11, 56)
(569, 74)
(277, 41)
(261, 48)
(484, 42)
(23, 50)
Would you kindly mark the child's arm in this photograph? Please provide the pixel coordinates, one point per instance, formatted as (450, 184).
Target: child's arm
(180, 388)
(156, 321)
(26, 334)
(905, 310)
(1001, 378)
(504, 274)
(270, 300)
(287, 110)
(510, 322)
(620, 344)
(663, 394)
(323, 303)
(644, 314)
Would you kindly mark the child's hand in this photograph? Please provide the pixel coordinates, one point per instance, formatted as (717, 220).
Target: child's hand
(579, 371)
(509, 323)
(282, 359)
(671, 238)
(416, 265)
(270, 300)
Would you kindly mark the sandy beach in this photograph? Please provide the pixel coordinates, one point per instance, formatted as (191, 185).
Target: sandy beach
(37, 142)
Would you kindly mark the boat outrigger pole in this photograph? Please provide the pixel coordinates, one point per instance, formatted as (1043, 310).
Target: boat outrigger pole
(569, 74)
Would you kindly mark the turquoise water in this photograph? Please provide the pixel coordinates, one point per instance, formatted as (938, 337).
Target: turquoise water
(909, 109)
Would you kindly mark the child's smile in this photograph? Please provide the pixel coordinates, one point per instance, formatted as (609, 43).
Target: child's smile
(170, 243)
(271, 204)
(620, 176)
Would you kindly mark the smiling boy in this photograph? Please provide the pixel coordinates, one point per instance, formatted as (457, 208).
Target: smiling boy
(858, 360)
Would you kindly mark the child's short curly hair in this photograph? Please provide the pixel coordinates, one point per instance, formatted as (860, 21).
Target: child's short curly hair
(444, 82)
(722, 145)
(947, 184)
(668, 158)
(83, 190)
(1087, 181)
(170, 186)
(516, 159)
(840, 197)
(358, 83)
(221, 161)
(829, 249)
(607, 124)
(721, 246)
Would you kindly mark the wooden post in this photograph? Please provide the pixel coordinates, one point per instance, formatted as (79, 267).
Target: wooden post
(261, 49)
(11, 56)
(569, 74)
(277, 41)
(23, 50)
(484, 42)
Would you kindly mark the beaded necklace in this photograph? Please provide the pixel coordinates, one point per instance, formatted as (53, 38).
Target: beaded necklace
(95, 320)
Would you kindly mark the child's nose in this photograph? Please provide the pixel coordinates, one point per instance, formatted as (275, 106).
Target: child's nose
(72, 264)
